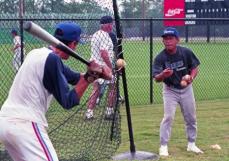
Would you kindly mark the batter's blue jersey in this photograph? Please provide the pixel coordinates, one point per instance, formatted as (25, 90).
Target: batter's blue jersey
(42, 76)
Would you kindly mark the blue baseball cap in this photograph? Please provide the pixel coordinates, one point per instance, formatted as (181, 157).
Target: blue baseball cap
(106, 19)
(170, 31)
(68, 31)
(14, 31)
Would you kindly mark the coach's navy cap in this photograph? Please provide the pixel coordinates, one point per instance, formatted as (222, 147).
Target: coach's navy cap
(106, 19)
(170, 31)
(68, 31)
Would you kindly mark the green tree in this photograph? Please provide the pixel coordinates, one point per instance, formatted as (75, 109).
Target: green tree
(9, 6)
(87, 6)
(48, 6)
(141, 8)
(130, 9)
(62, 6)
(156, 9)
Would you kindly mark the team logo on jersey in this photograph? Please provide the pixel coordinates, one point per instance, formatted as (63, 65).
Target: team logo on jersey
(178, 66)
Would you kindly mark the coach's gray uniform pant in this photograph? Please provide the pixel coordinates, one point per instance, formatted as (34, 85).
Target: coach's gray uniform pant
(185, 98)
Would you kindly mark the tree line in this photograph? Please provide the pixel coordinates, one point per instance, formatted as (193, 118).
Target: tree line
(128, 8)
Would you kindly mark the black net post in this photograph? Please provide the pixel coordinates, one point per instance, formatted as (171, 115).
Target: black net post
(133, 154)
(119, 35)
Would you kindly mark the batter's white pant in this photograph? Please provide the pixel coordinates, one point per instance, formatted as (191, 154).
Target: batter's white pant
(185, 98)
(26, 141)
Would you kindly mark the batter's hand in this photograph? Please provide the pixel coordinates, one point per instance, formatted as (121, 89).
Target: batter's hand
(95, 71)
(167, 72)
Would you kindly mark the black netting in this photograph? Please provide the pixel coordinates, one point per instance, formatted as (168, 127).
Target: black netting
(74, 137)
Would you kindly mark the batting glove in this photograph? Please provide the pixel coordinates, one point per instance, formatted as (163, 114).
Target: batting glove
(95, 71)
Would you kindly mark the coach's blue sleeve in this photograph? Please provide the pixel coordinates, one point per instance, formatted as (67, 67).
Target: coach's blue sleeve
(56, 83)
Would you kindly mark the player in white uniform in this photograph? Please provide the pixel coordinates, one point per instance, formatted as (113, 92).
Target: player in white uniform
(43, 75)
(16, 49)
(102, 53)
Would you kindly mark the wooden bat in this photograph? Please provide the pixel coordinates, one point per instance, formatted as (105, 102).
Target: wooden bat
(42, 34)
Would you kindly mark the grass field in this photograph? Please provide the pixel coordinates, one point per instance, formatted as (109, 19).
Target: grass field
(213, 126)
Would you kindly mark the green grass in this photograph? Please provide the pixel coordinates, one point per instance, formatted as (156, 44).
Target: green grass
(213, 126)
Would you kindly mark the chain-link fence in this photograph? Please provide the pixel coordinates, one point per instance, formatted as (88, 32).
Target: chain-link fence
(141, 43)
(208, 40)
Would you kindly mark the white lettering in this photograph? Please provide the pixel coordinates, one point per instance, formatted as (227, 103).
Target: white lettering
(190, 15)
(190, 22)
(190, 11)
(173, 12)
(190, 0)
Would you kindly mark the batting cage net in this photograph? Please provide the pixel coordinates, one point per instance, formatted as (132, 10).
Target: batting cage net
(92, 130)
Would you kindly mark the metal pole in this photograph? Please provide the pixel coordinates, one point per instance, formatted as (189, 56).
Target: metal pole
(186, 33)
(143, 17)
(208, 32)
(151, 61)
(21, 15)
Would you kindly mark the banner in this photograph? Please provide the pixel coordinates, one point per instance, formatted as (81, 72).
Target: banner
(174, 9)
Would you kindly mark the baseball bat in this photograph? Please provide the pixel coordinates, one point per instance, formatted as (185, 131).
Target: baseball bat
(42, 34)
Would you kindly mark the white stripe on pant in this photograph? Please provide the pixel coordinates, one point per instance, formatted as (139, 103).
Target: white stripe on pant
(21, 141)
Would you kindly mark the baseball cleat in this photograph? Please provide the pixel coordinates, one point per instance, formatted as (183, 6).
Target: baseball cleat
(163, 151)
(193, 148)
(89, 114)
(109, 113)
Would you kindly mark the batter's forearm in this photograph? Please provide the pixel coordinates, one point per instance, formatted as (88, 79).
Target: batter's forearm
(81, 86)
